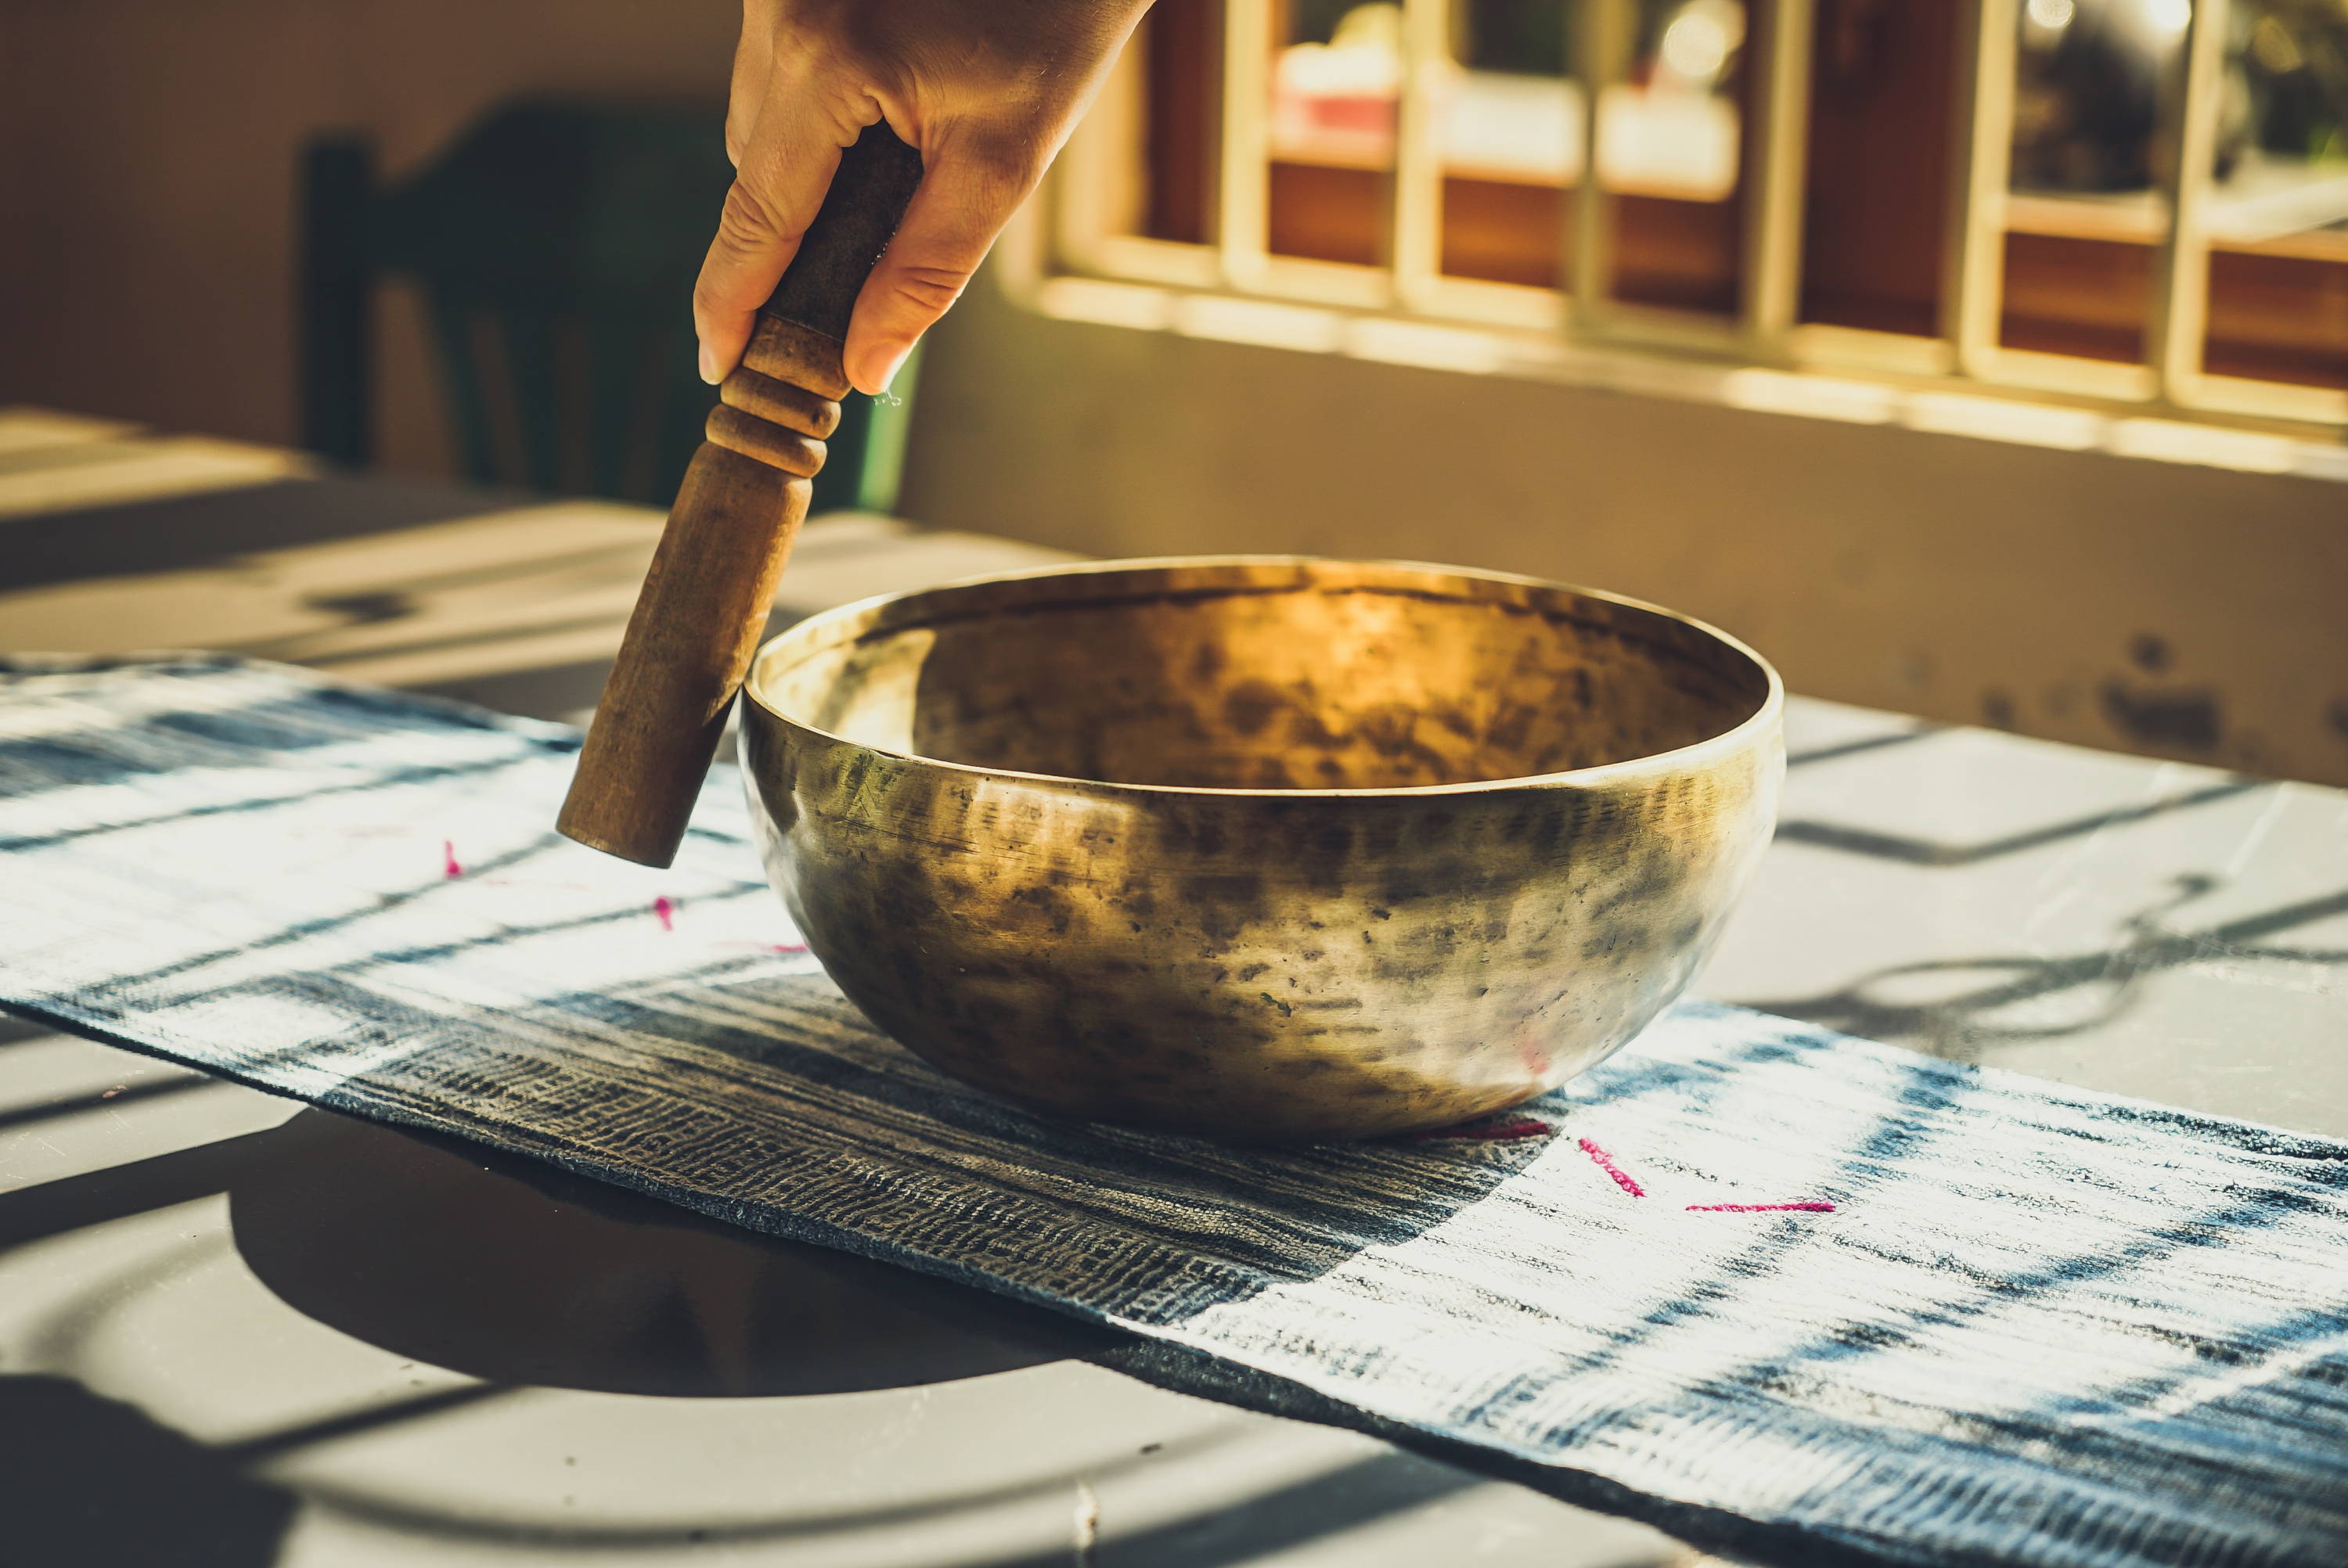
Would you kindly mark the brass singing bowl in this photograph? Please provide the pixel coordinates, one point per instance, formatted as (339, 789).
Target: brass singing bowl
(1260, 847)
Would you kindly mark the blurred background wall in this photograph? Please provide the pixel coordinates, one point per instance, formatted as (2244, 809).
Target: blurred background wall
(147, 158)
(148, 154)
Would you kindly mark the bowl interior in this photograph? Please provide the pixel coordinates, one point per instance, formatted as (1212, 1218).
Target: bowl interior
(1262, 674)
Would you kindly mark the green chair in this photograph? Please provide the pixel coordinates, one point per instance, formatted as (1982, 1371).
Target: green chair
(555, 245)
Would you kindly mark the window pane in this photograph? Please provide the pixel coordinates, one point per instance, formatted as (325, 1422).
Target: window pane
(1337, 83)
(1511, 143)
(1670, 154)
(1178, 40)
(2278, 211)
(1876, 212)
(2092, 123)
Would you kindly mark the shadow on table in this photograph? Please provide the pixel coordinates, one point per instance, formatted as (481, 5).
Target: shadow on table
(174, 533)
(1987, 1000)
(498, 1266)
(517, 1272)
(90, 1482)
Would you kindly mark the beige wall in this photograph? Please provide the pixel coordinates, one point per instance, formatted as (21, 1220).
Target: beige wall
(2116, 602)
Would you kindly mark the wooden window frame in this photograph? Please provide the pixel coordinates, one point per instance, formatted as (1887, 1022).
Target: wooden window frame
(1170, 183)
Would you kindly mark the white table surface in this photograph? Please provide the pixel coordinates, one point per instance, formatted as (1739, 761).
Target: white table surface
(259, 1334)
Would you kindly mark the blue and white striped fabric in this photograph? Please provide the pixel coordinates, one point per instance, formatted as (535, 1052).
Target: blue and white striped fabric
(2004, 1322)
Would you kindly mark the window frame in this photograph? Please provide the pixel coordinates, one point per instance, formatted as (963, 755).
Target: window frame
(1231, 284)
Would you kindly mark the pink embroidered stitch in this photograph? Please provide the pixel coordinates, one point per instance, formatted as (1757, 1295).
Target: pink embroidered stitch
(1606, 1163)
(1806, 1207)
(664, 912)
(449, 866)
(1492, 1131)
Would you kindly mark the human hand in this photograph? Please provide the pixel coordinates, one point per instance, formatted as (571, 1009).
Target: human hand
(985, 91)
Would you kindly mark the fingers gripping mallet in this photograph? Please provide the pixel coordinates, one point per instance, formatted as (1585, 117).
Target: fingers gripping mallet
(705, 601)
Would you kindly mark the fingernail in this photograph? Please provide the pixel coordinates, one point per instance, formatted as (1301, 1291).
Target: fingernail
(709, 366)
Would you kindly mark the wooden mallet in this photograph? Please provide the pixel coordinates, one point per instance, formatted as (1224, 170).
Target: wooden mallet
(705, 601)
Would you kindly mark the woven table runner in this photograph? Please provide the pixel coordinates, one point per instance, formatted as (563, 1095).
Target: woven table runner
(1797, 1296)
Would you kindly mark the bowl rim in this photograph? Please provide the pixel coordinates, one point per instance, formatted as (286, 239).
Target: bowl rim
(1767, 716)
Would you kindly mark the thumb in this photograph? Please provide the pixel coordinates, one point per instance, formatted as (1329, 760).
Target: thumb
(784, 171)
(964, 199)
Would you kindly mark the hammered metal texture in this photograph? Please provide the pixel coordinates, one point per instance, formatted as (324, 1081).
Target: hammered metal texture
(1261, 848)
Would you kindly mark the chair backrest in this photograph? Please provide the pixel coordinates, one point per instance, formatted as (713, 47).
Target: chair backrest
(555, 245)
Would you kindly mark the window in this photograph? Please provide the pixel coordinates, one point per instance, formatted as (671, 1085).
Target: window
(2123, 203)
